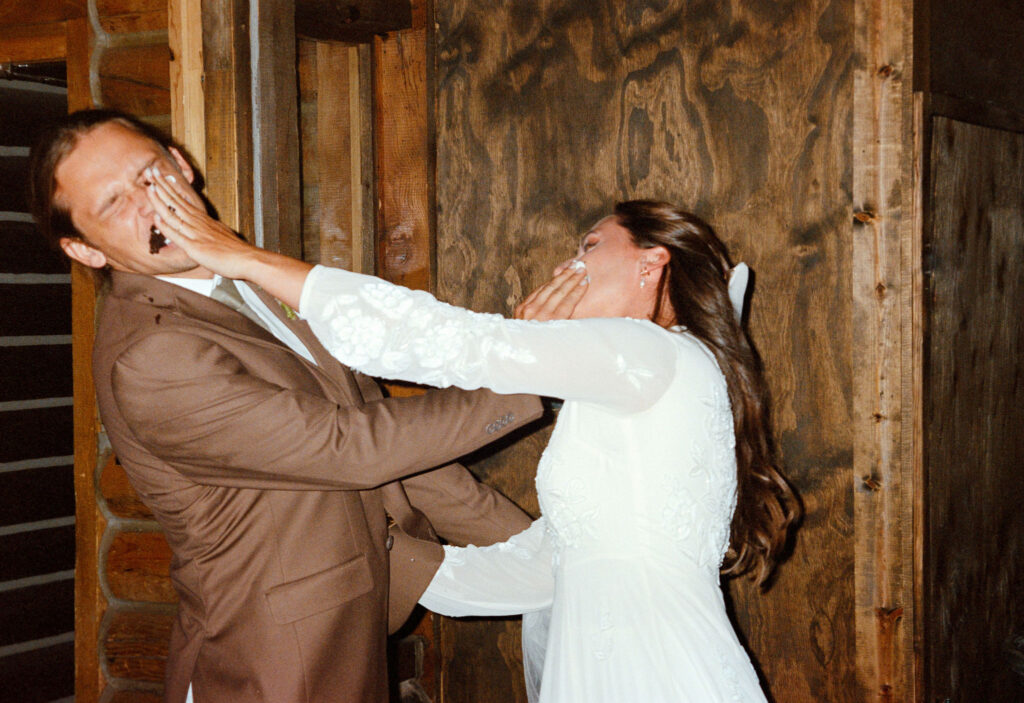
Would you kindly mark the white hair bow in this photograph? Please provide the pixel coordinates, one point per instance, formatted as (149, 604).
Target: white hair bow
(738, 279)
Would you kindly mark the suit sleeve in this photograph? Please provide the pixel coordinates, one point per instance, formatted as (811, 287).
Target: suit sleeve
(203, 412)
(463, 510)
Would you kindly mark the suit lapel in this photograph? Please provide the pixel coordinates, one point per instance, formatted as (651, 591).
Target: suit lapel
(336, 375)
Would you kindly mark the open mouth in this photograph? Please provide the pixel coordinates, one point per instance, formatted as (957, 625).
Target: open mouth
(157, 240)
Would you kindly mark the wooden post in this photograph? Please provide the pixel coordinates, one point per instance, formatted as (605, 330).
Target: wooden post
(276, 128)
(185, 37)
(885, 271)
(404, 155)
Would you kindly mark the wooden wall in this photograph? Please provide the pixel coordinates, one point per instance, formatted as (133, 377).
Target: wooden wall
(549, 112)
(974, 563)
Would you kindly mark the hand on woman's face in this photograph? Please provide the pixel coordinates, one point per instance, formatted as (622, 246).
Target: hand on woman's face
(615, 266)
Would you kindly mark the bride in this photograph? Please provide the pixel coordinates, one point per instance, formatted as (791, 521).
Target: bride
(659, 474)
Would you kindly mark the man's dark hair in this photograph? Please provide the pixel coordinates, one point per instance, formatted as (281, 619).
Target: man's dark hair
(52, 218)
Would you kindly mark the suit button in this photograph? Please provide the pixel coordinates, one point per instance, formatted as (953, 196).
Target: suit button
(389, 542)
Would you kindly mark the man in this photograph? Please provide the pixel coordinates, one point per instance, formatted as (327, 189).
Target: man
(274, 470)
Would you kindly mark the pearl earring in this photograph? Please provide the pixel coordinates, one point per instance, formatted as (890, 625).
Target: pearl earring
(643, 276)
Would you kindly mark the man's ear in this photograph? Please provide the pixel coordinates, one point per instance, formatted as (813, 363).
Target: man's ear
(83, 253)
(183, 164)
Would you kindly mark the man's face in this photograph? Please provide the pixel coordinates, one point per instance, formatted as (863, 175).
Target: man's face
(103, 185)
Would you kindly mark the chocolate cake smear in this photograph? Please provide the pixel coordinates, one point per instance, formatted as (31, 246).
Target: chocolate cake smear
(157, 240)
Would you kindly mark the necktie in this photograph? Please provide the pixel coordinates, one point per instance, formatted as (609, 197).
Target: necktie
(226, 292)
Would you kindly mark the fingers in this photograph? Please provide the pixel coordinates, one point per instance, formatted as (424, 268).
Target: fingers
(556, 299)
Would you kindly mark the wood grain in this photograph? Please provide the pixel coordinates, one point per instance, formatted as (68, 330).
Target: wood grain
(138, 567)
(136, 79)
(134, 645)
(885, 268)
(228, 113)
(974, 544)
(404, 163)
(548, 114)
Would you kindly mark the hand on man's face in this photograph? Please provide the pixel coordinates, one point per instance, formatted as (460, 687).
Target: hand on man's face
(102, 182)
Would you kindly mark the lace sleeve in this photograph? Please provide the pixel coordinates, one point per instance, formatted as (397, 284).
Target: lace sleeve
(392, 332)
(508, 578)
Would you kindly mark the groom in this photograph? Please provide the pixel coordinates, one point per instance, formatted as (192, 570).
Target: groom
(302, 508)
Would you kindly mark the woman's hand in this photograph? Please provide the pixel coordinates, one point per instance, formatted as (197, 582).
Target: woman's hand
(183, 220)
(556, 299)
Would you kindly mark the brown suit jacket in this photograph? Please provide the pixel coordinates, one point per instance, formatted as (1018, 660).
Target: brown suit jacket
(273, 479)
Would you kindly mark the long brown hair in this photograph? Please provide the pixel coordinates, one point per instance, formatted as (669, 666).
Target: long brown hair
(693, 292)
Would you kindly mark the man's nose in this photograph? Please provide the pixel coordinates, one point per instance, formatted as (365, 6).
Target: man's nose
(140, 198)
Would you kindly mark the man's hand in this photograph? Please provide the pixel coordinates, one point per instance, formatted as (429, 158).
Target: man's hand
(556, 299)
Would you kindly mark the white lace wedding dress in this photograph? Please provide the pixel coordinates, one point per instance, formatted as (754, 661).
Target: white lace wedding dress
(619, 578)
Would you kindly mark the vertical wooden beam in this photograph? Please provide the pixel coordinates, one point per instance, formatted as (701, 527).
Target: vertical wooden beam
(884, 393)
(89, 524)
(276, 127)
(228, 111)
(339, 154)
(90, 603)
(404, 155)
(185, 37)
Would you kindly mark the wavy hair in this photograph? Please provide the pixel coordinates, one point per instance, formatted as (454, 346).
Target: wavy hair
(693, 292)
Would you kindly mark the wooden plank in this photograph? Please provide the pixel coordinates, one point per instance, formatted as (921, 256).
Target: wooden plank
(353, 21)
(339, 130)
(276, 130)
(228, 112)
(136, 79)
(974, 412)
(545, 117)
(25, 251)
(36, 612)
(138, 567)
(185, 39)
(30, 434)
(26, 12)
(132, 16)
(46, 672)
(38, 552)
(883, 390)
(43, 42)
(135, 644)
(404, 160)
(41, 308)
(35, 372)
(43, 494)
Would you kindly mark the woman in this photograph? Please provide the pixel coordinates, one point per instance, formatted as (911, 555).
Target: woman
(659, 473)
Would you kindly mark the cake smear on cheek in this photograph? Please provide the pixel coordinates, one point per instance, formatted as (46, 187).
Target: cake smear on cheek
(157, 240)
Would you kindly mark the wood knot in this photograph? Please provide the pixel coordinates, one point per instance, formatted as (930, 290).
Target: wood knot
(865, 216)
(880, 290)
(872, 483)
(886, 71)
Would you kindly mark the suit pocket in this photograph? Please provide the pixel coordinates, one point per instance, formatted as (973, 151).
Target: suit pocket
(319, 592)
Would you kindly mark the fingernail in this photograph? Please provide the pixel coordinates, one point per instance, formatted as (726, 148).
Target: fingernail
(585, 281)
(172, 179)
(578, 265)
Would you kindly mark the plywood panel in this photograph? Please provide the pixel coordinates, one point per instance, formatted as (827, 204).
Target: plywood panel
(974, 558)
(547, 114)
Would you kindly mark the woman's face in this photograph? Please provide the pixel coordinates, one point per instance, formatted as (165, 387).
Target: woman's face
(615, 265)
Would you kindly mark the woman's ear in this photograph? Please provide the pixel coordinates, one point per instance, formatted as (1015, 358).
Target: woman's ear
(655, 258)
(83, 253)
